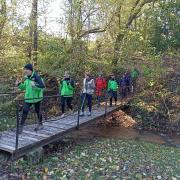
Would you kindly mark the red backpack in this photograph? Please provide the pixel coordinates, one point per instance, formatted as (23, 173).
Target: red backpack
(100, 83)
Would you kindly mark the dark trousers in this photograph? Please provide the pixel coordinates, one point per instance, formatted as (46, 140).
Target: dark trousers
(128, 87)
(88, 98)
(123, 92)
(26, 109)
(134, 84)
(99, 99)
(113, 94)
(64, 101)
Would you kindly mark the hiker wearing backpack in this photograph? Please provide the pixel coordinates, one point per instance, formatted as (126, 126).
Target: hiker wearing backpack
(66, 89)
(33, 86)
(122, 85)
(134, 74)
(87, 93)
(100, 84)
(128, 79)
(112, 89)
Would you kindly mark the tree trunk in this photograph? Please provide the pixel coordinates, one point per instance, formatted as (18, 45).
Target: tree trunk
(35, 30)
(117, 48)
(3, 15)
(33, 33)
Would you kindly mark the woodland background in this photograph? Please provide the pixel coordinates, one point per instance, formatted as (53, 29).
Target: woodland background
(102, 35)
(98, 36)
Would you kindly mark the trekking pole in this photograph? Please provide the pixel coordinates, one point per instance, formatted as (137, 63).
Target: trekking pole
(84, 98)
(79, 99)
(80, 106)
(106, 99)
(17, 126)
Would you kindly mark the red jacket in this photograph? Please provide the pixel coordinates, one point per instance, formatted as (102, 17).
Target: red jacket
(100, 86)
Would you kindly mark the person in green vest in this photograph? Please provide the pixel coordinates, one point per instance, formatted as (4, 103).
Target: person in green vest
(66, 90)
(134, 74)
(113, 89)
(33, 86)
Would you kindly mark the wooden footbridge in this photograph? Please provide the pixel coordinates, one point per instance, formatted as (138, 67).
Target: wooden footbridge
(19, 144)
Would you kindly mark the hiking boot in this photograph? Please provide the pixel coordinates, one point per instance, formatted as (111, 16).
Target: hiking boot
(39, 127)
(81, 114)
(62, 116)
(71, 111)
(89, 114)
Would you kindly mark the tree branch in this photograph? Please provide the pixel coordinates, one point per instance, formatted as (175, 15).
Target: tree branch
(91, 31)
(90, 13)
(135, 5)
(136, 11)
(96, 30)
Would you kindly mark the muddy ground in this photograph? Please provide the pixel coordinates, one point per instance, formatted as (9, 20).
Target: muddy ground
(120, 125)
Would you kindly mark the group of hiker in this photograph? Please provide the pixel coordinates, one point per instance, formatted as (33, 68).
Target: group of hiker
(33, 85)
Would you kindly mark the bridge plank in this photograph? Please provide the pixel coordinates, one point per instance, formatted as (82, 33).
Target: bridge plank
(11, 141)
(6, 142)
(50, 130)
(68, 120)
(7, 148)
(59, 124)
(36, 134)
(9, 138)
(54, 125)
(22, 137)
(43, 131)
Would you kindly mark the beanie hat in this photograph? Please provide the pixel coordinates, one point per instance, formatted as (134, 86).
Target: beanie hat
(100, 73)
(29, 67)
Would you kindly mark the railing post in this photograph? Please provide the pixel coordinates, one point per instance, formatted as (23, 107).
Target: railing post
(77, 127)
(79, 109)
(106, 99)
(43, 106)
(17, 126)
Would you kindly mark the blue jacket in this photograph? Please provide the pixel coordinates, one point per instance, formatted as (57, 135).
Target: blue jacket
(122, 82)
(128, 79)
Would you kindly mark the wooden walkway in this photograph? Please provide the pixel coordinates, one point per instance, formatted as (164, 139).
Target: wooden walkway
(53, 131)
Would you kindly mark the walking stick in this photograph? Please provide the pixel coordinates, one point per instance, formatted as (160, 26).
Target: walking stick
(80, 108)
